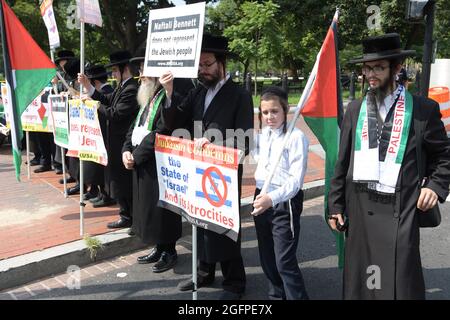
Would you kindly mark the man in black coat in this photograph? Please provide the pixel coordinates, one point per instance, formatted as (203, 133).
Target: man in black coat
(152, 224)
(93, 172)
(217, 104)
(120, 108)
(376, 184)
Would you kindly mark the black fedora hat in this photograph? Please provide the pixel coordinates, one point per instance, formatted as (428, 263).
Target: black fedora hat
(139, 56)
(386, 46)
(215, 44)
(72, 69)
(96, 71)
(64, 55)
(119, 57)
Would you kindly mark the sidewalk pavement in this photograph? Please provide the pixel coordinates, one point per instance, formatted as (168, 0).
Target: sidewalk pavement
(38, 226)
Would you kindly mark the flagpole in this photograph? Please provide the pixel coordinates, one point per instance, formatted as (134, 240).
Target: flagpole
(82, 204)
(291, 127)
(63, 160)
(194, 262)
(306, 92)
(27, 138)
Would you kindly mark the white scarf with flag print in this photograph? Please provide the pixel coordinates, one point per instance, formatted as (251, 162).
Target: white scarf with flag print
(382, 176)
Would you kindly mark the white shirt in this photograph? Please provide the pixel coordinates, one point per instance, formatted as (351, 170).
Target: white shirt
(385, 106)
(211, 93)
(288, 178)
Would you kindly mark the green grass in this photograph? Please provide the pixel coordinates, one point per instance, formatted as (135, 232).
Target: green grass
(293, 99)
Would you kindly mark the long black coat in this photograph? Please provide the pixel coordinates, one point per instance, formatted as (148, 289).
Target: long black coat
(120, 108)
(231, 108)
(387, 235)
(94, 172)
(152, 224)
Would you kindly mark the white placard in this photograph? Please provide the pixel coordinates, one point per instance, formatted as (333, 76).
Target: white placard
(201, 185)
(174, 41)
(49, 19)
(88, 11)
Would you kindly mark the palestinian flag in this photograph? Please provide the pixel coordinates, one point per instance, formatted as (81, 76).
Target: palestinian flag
(27, 71)
(322, 110)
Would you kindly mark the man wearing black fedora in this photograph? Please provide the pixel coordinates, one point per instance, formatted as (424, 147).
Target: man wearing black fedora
(120, 108)
(94, 172)
(218, 104)
(393, 167)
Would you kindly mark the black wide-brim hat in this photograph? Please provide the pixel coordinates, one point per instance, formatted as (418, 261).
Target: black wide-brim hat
(119, 57)
(64, 55)
(96, 71)
(139, 56)
(215, 44)
(72, 69)
(382, 47)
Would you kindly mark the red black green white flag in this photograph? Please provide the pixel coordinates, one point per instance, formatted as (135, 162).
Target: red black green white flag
(322, 110)
(28, 70)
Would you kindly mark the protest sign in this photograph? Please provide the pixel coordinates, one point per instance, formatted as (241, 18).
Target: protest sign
(49, 19)
(6, 98)
(59, 109)
(85, 138)
(88, 11)
(201, 185)
(37, 116)
(174, 41)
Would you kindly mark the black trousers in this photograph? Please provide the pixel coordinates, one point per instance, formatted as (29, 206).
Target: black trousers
(166, 247)
(125, 210)
(278, 231)
(46, 147)
(233, 272)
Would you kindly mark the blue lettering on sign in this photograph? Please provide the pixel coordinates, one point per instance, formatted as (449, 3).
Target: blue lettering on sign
(74, 112)
(89, 113)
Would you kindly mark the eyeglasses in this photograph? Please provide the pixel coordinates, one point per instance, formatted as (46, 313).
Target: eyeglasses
(206, 65)
(377, 69)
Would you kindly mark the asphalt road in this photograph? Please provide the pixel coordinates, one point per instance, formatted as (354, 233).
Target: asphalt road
(316, 254)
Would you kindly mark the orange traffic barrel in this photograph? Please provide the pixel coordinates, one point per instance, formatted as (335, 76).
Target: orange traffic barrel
(442, 96)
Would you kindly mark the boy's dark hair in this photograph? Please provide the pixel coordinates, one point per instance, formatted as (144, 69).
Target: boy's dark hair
(274, 92)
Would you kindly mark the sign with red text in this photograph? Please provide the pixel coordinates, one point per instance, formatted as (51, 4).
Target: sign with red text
(85, 138)
(201, 185)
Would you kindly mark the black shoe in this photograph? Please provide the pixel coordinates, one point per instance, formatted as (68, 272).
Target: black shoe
(73, 190)
(131, 232)
(152, 257)
(68, 180)
(34, 162)
(104, 203)
(96, 199)
(90, 195)
(121, 223)
(58, 171)
(202, 281)
(228, 295)
(166, 262)
(43, 169)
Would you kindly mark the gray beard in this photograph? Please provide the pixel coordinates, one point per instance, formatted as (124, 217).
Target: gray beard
(146, 92)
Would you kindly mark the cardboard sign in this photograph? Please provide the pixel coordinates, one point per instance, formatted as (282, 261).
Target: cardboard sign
(201, 185)
(85, 138)
(174, 41)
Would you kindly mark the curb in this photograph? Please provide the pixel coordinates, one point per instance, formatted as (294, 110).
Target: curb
(36, 265)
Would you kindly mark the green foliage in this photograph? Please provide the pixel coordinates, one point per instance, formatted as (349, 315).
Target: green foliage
(93, 245)
(270, 35)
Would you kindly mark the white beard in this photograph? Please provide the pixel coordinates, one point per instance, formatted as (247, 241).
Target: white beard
(146, 91)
